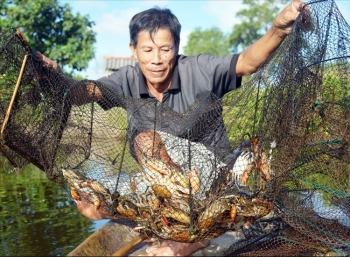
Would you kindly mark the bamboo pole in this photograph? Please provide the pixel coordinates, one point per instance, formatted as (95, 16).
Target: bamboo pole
(23, 40)
(3, 150)
(9, 110)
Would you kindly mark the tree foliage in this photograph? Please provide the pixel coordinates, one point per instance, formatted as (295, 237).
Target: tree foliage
(209, 41)
(256, 20)
(52, 29)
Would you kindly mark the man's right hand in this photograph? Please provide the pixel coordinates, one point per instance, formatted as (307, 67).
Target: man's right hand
(47, 61)
(79, 95)
(89, 211)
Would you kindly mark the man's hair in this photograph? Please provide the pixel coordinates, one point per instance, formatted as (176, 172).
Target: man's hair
(152, 20)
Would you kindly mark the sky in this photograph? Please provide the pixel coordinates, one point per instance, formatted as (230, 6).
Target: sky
(112, 18)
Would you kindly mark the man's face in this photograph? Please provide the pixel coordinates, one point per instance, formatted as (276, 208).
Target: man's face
(156, 57)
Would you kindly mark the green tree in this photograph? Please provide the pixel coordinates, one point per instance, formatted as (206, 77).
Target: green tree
(210, 41)
(52, 29)
(256, 19)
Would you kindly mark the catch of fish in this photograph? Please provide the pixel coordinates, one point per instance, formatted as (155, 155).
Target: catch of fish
(171, 207)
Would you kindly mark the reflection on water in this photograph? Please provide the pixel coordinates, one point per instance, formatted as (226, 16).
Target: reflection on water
(329, 212)
(37, 217)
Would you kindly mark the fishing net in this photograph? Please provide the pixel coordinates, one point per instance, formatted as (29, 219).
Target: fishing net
(270, 159)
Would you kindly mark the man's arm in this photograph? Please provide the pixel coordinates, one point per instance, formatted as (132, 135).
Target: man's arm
(79, 95)
(86, 94)
(252, 58)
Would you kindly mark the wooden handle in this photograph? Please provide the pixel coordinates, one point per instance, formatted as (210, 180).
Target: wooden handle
(123, 251)
(23, 40)
(14, 95)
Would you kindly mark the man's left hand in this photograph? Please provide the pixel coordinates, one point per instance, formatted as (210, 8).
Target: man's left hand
(284, 21)
(172, 248)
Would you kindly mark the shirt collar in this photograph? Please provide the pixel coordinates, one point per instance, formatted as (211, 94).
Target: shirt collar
(175, 80)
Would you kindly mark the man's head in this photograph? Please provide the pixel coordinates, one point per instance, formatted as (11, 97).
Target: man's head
(151, 21)
(154, 41)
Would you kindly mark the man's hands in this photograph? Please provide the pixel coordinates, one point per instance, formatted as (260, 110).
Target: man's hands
(89, 211)
(172, 248)
(80, 95)
(256, 54)
(47, 61)
(284, 21)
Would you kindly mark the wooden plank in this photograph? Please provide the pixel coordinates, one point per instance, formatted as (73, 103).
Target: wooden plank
(115, 234)
(107, 240)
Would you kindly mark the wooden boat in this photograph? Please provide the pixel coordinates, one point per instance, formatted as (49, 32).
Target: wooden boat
(114, 235)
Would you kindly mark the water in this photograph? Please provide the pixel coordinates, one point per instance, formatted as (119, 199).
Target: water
(37, 217)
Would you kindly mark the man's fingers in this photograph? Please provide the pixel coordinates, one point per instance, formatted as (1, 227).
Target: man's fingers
(296, 6)
(47, 61)
(287, 16)
(172, 248)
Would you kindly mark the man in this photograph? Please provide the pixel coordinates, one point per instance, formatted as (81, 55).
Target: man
(178, 81)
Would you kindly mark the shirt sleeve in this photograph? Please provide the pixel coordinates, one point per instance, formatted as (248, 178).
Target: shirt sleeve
(113, 81)
(215, 74)
(116, 86)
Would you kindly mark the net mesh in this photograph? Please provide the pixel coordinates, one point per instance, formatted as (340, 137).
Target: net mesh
(270, 159)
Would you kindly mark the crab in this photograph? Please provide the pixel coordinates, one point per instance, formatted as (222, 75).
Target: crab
(247, 208)
(127, 207)
(176, 214)
(168, 181)
(79, 185)
(210, 215)
(256, 160)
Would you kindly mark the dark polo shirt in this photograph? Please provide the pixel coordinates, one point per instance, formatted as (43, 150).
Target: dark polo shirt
(192, 76)
(198, 83)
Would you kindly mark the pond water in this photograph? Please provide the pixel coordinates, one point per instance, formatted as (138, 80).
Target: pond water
(37, 217)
